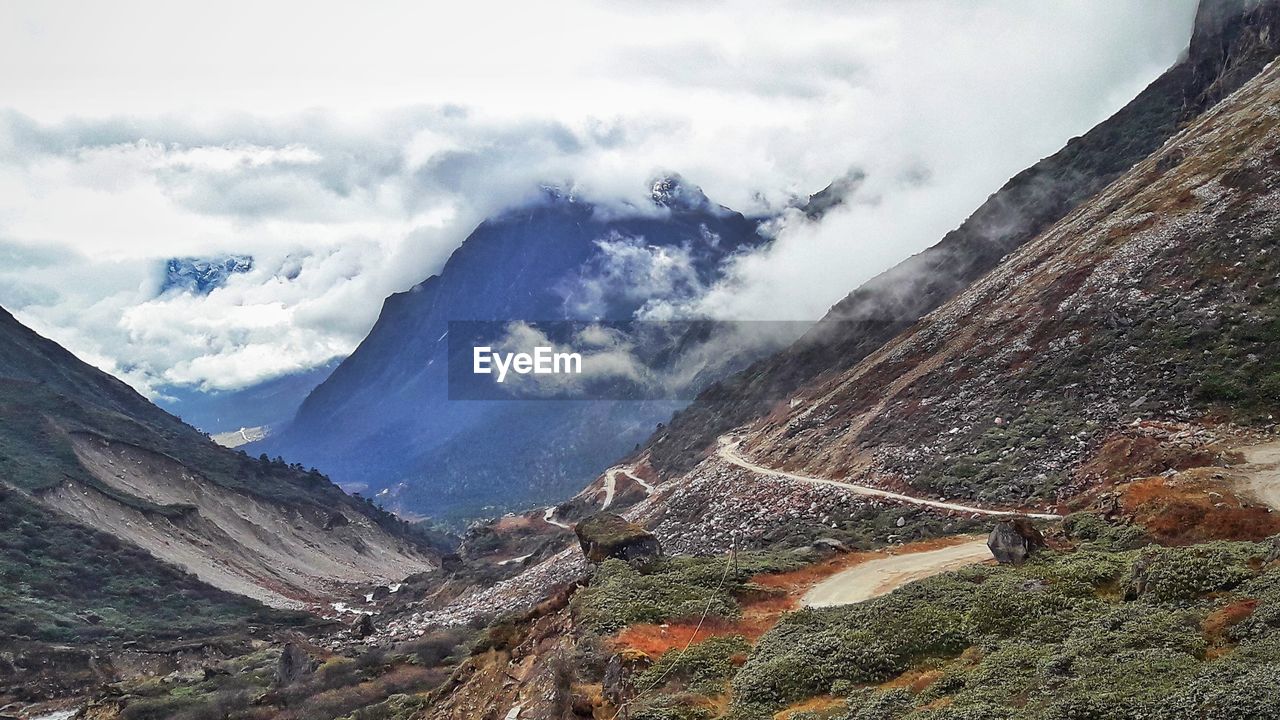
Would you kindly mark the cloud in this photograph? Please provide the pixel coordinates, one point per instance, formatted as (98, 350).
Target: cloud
(350, 151)
(630, 271)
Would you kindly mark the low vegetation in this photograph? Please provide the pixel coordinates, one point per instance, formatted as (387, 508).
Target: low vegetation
(1102, 632)
(375, 685)
(676, 588)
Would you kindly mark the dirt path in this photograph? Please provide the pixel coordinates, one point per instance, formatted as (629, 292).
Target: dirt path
(648, 488)
(610, 487)
(1261, 473)
(884, 575)
(728, 450)
(549, 517)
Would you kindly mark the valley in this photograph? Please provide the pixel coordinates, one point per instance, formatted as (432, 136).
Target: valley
(1030, 473)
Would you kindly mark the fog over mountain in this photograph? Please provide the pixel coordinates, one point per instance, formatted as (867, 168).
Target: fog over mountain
(351, 160)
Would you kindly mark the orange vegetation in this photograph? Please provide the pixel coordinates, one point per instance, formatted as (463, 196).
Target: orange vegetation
(654, 640)
(1196, 506)
(1122, 456)
(1218, 622)
(760, 612)
(822, 706)
(917, 680)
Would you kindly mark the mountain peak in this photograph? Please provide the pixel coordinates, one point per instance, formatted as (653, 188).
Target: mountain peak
(671, 191)
(1231, 42)
(201, 276)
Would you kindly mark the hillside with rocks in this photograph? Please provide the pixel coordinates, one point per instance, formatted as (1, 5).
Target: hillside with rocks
(1157, 300)
(1232, 40)
(1111, 377)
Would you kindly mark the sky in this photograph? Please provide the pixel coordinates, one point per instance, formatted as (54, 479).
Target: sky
(349, 148)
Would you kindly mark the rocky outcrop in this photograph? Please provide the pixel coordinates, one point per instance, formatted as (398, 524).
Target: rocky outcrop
(606, 535)
(294, 664)
(1014, 540)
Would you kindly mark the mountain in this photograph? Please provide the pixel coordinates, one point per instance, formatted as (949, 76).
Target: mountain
(79, 446)
(1051, 496)
(383, 421)
(201, 276)
(1159, 299)
(1232, 41)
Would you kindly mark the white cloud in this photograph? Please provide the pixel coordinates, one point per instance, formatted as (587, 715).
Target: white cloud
(350, 149)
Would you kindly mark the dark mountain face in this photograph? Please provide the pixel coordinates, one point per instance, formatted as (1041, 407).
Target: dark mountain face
(383, 421)
(1233, 40)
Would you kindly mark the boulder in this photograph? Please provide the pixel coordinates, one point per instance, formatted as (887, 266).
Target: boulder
(1014, 540)
(606, 535)
(364, 626)
(829, 545)
(294, 665)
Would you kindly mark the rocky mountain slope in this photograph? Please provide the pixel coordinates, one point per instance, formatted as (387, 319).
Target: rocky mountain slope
(383, 421)
(83, 446)
(1157, 299)
(1232, 41)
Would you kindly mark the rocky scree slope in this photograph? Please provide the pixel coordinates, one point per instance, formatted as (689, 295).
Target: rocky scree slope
(80, 443)
(1160, 298)
(1232, 40)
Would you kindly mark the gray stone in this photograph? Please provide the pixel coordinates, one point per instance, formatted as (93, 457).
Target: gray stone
(1014, 540)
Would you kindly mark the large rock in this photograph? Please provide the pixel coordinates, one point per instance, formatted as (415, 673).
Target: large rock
(606, 535)
(1014, 540)
(294, 664)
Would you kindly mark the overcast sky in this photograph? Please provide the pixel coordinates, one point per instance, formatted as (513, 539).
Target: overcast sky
(350, 147)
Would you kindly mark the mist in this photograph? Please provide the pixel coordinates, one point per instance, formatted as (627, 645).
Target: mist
(352, 159)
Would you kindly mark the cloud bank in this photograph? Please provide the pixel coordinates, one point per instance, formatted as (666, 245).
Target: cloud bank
(349, 151)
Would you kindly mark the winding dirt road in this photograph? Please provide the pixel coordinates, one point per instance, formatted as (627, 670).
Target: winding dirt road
(611, 484)
(884, 575)
(728, 451)
(1262, 472)
(549, 517)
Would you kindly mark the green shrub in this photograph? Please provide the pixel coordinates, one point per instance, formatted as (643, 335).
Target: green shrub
(704, 668)
(1185, 574)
